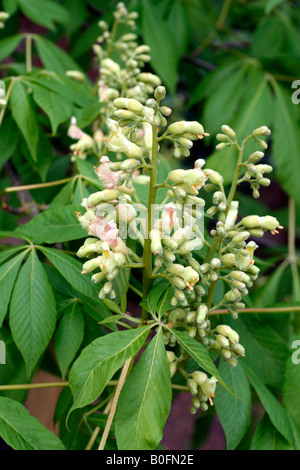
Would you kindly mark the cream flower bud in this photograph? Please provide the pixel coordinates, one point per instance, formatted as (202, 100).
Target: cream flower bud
(241, 237)
(251, 221)
(91, 265)
(201, 313)
(240, 276)
(199, 377)
(256, 156)
(142, 49)
(269, 223)
(209, 386)
(75, 74)
(228, 131)
(110, 65)
(165, 110)
(182, 127)
(98, 277)
(214, 177)
(227, 331)
(261, 131)
(102, 196)
(160, 93)
(150, 78)
(223, 341)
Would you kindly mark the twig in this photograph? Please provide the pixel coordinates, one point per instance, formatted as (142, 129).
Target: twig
(24, 196)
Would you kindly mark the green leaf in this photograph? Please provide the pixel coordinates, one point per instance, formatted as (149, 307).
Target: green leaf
(53, 57)
(86, 169)
(10, 6)
(57, 110)
(156, 32)
(22, 431)
(178, 25)
(100, 360)
(268, 294)
(52, 12)
(266, 437)
(112, 306)
(96, 309)
(111, 318)
(69, 336)
(9, 138)
(234, 414)
(272, 406)
(290, 388)
(268, 38)
(223, 103)
(199, 354)
(54, 226)
(8, 274)
(159, 298)
(8, 45)
(286, 142)
(70, 269)
(145, 400)
(32, 312)
(260, 340)
(65, 87)
(271, 4)
(25, 116)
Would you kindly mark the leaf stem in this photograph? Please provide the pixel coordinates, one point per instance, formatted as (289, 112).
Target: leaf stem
(114, 404)
(258, 310)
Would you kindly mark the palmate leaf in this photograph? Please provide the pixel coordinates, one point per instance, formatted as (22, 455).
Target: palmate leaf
(145, 400)
(8, 274)
(22, 431)
(234, 414)
(199, 354)
(32, 312)
(99, 361)
(69, 336)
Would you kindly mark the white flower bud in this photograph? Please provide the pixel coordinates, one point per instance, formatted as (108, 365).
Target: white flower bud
(261, 131)
(228, 131)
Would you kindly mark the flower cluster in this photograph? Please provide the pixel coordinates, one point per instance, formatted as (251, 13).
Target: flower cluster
(169, 230)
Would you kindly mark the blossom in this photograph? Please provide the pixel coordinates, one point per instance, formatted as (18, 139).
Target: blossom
(118, 142)
(108, 177)
(105, 231)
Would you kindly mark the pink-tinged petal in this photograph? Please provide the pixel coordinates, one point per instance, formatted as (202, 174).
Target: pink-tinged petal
(74, 131)
(108, 177)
